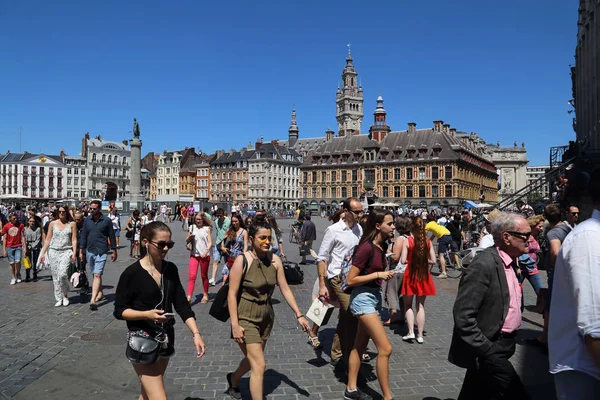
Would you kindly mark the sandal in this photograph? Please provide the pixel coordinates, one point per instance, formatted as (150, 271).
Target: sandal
(314, 342)
(365, 358)
(204, 300)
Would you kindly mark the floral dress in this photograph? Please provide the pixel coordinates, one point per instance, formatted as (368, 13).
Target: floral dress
(59, 257)
(237, 248)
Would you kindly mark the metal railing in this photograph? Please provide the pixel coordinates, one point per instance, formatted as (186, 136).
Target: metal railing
(549, 177)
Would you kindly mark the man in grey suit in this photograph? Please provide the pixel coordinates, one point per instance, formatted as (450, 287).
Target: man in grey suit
(487, 314)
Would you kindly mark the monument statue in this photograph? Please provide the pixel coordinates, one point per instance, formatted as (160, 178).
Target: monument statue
(516, 145)
(498, 144)
(136, 129)
(523, 144)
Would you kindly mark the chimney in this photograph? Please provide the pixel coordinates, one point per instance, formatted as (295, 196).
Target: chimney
(231, 151)
(437, 125)
(125, 142)
(329, 134)
(412, 127)
(275, 143)
(257, 145)
(447, 128)
(453, 131)
(243, 150)
(250, 146)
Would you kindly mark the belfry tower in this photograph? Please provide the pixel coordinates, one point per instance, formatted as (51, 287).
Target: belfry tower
(349, 101)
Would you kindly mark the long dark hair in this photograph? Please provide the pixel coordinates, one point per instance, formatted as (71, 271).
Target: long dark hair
(273, 222)
(149, 231)
(231, 231)
(419, 265)
(375, 217)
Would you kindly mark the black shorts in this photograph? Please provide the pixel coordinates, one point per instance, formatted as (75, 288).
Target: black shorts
(454, 246)
(443, 243)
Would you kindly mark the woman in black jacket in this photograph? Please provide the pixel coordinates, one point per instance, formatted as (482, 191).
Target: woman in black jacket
(147, 290)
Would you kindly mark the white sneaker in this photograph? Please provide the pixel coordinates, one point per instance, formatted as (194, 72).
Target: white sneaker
(211, 282)
(19, 280)
(65, 302)
(58, 303)
(409, 337)
(420, 340)
(13, 281)
(443, 275)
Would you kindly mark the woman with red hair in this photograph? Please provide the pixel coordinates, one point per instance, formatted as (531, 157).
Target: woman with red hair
(417, 255)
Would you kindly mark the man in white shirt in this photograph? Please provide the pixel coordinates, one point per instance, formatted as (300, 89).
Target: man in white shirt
(574, 328)
(340, 238)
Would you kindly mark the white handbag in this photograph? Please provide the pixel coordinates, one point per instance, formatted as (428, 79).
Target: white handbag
(319, 312)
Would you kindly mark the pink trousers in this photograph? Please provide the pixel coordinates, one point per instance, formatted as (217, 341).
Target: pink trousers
(193, 273)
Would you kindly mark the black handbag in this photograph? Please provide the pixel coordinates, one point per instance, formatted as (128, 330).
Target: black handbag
(293, 273)
(219, 308)
(143, 348)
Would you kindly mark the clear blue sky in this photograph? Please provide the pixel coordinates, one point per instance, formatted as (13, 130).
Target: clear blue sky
(219, 74)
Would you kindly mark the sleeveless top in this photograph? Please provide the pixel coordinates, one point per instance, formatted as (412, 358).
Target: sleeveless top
(238, 246)
(61, 240)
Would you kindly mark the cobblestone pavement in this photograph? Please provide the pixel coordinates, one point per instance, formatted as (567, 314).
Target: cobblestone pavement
(73, 353)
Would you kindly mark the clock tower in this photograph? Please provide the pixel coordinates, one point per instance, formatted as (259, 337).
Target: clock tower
(349, 101)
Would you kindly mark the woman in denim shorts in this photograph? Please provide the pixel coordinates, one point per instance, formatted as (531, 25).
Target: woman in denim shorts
(365, 277)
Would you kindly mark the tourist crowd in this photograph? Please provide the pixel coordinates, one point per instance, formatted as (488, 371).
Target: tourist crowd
(367, 260)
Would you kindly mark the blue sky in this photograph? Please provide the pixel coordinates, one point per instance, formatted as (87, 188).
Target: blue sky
(219, 75)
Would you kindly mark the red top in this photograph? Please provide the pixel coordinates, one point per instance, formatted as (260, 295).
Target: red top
(364, 252)
(425, 287)
(13, 235)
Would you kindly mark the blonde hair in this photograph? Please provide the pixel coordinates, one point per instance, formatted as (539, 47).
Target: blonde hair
(534, 220)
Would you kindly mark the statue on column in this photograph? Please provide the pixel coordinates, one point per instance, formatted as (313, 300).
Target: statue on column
(136, 129)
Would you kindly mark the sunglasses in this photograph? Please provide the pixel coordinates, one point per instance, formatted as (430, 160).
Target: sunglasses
(356, 212)
(93, 208)
(574, 213)
(522, 235)
(162, 244)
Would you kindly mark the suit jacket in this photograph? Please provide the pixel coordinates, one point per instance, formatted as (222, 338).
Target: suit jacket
(308, 231)
(480, 308)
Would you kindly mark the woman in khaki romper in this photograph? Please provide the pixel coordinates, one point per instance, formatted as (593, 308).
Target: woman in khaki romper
(252, 319)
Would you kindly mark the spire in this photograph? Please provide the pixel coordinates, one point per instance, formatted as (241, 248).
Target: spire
(349, 58)
(293, 130)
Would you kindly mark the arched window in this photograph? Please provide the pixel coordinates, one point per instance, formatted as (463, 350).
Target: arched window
(116, 159)
(103, 157)
(94, 157)
(109, 159)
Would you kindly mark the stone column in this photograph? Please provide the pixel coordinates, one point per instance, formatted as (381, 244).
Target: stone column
(135, 178)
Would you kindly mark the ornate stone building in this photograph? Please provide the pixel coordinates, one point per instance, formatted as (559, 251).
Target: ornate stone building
(349, 101)
(229, 176)
(36, 176)
(107, 163)
(273, 175)
(429, 167)
(511, 167)
(173, 166)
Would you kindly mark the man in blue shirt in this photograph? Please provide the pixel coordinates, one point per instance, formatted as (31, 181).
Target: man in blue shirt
(96, 232)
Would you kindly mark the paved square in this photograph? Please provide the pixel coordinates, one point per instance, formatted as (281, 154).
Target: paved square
(73, 353)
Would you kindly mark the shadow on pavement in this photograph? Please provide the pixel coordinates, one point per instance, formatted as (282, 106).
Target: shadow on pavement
(273, 379)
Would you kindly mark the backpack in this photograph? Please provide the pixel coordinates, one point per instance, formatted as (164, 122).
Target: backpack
(347, 264)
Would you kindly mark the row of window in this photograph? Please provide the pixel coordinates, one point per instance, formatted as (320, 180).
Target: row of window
(168, 191)
(168, 182)
(386, 191)
(110, 159)
(228, 175)
(283, 194)
(202, 172)
(228, 186)
(202, 193)
(386, 174)
(283, 169)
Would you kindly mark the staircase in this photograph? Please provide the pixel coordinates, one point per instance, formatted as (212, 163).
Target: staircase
(549, 177)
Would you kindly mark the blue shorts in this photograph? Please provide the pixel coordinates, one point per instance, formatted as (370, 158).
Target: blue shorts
(443, 243)
(13, 254)
(216, 253)
(365, 300)
(96, 262)
(117, 232)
